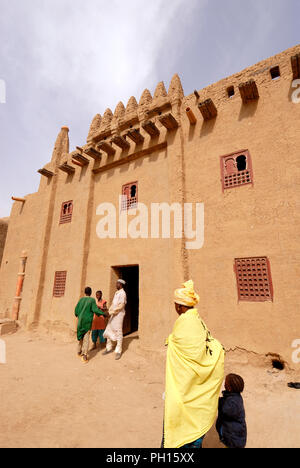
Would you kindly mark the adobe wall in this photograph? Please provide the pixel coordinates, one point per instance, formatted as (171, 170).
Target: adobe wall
(258, 220)
(3, 232)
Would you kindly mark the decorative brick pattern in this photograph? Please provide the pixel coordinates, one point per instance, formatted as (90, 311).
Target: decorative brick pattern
(130, 196)
(254, 281)
(59, 283)
(66, 212)
(236, 170)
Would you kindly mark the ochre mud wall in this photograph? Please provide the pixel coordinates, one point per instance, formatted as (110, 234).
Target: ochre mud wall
(3, 233)
(179, 164)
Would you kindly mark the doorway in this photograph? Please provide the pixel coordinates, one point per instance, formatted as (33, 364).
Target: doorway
(130, 274)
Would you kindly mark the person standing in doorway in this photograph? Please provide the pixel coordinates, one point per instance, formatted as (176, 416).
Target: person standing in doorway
(114, 329)
(99, 323)
(84, 311)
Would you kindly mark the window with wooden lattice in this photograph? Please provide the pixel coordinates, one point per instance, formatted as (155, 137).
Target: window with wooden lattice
(236, 169)
(253, 276)
(66, 212)
(59, 283)
(129, 196)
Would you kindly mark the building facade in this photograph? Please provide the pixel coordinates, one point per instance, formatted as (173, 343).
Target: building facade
(233, 147)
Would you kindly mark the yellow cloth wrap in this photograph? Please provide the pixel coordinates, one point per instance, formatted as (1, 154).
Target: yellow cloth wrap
(186, 296)
(194, 376)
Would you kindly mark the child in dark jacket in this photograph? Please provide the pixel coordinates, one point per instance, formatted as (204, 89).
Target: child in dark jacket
(231, 423)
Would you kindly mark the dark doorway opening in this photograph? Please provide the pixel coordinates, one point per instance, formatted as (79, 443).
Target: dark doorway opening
(130, 274)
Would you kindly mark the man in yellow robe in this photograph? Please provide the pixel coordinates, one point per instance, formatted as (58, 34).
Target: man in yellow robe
(194, 375)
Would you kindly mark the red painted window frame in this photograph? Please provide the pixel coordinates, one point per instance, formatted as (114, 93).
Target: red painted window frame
(131, 202)
(249, 168)
(59, 287)
(66, 218)
(260, 298)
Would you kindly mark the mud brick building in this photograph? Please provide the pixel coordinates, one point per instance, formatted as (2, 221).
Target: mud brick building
(233, 146)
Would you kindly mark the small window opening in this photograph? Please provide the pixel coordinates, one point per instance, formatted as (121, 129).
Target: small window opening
(66, 212)
(133, 191)
(130, 196)
(276, 364)
(275, 73)
(241, 162)
(230, 91)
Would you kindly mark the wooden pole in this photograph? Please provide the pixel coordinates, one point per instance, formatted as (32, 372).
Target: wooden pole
(22, 200)
(191, 116)
(20, 281)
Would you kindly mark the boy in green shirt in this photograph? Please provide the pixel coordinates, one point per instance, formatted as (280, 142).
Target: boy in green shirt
(84, 311)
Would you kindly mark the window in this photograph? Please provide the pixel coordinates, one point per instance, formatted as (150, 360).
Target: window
(66, 212)
(59, 283)
(236, 169)
(253, 276)
(130, 196)
(275, 73)
(230, 91)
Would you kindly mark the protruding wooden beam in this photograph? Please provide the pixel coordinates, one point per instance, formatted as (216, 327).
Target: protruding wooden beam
(295, 62)
(196, 94)
(77, 163)
(105, 146)
(120, 141)
(191, 116)
(67, 168)
(93, 153)
(46, 173)
(135, 135)
(151, 128)
(80, 149)
(208, 109)
(81, 159)
(248, 91)
(168, 121)
(22, 200)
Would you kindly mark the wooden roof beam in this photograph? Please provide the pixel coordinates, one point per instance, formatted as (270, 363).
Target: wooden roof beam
(22, 200)
(46, 173)
(93, 153)
(105, 146)
(248, 91)
(168, 121)
(120, 141)
(135, 135)
(151, 128)
(81, 159)
(295, 62)
(208, 109)
(67, 168)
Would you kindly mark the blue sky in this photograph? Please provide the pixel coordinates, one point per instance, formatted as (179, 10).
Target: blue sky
(63, 61)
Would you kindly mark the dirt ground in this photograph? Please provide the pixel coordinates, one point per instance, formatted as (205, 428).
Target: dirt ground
(49, 398)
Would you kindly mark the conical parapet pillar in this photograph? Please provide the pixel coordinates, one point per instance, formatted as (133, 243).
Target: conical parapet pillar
(61, 146)
(175, 92)
(94, 127)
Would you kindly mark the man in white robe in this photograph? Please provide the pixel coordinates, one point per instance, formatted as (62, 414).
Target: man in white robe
(114, 329)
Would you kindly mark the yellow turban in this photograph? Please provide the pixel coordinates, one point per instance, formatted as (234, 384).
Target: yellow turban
(186, 296)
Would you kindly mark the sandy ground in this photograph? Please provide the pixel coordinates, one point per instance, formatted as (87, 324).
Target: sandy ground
(49, 398)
